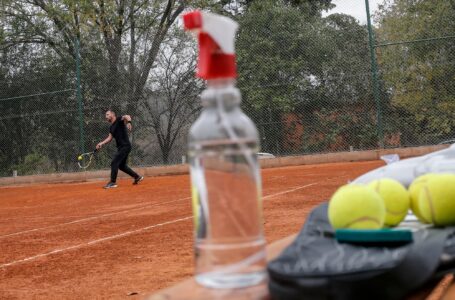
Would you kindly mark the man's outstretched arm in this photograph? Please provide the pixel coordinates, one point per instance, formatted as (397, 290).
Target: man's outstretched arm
(106, 141)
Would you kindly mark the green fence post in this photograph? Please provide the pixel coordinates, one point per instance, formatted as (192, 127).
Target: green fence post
(79, 96)
(374, 71)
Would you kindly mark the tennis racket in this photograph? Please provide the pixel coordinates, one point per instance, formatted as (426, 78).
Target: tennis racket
(85, 159)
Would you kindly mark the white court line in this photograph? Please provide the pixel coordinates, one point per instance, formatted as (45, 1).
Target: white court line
(133, 209)
(290, 191)
(91, 218)
(93, 242)
(30, 258)
(129, 210)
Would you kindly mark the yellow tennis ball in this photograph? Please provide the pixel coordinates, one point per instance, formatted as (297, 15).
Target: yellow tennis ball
(195, 202)
(437, 200)
(80, 157)
(396, 199)
(356, 207)
(414, 192)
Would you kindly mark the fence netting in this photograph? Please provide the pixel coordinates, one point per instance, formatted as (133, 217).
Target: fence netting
(307, 76)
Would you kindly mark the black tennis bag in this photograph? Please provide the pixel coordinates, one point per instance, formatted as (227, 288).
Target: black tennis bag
(317, 267)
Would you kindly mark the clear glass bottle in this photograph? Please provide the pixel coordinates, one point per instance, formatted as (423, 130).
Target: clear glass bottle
(226, 189)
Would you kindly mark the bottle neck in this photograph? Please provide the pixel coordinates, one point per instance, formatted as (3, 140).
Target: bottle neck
(221, 83)
(221, 91)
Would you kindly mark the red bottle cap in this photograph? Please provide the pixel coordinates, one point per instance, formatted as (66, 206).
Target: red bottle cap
(216, 44)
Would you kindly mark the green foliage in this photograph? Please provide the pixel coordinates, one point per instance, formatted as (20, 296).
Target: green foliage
(305, 79)
(346, 69)
(120, 47)
(301, 63)
(279, 52)
(419, 75)
(32, 163)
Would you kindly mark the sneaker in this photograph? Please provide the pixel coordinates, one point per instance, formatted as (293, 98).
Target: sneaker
(137, 180)
(110, 185)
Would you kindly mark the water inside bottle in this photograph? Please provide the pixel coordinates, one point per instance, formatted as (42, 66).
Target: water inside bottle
(230, 246)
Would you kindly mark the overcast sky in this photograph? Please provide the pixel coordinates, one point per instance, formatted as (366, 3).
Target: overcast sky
(355, 8)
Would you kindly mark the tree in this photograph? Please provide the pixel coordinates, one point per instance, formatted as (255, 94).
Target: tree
(279, 54)
(308, 7)
(344, 113)
(419, 74)
(130, 32)
(42, 124)
(120, 45)
(172, 97)
(346, 70)
(306, 79)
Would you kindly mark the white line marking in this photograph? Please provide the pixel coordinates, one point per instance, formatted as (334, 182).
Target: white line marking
(92, 218)
(93, 242)
(130, 232)
(132, 209)
(290, 191)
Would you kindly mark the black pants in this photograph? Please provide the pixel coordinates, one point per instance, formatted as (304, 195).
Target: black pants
(119, 162)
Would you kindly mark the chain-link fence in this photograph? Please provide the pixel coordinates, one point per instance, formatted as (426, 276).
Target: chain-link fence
(312, 82)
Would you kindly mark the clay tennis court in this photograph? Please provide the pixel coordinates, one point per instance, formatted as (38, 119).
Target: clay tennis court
(78, 241)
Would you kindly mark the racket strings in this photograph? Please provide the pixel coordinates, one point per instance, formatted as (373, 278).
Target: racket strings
(86, 160)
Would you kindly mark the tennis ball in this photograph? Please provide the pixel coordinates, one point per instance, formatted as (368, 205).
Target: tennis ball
(437, 200)
(414, 192)
(195, 202)
(396, 199)
(200, 223)
(356, 207)
(80, 157)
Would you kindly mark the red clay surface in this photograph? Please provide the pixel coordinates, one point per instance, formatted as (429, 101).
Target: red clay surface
(78, 241)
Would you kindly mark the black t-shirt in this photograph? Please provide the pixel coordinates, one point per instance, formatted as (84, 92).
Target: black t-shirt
(120, 133)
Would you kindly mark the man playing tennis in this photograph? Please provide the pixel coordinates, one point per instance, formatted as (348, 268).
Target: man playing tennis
(118, 131)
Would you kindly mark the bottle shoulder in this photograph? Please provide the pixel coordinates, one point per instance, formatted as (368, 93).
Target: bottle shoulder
(209, 126)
